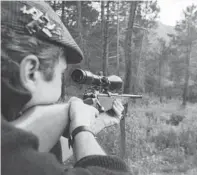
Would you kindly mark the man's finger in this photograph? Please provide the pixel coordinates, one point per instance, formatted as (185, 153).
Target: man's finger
(112, 122)
(74, 99)
(118, 112)
(117, 101)
(119, 105)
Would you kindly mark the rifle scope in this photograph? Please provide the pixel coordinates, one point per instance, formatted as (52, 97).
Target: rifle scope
(112, 82)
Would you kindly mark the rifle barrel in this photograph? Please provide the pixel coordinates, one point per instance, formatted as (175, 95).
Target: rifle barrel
(120, 95)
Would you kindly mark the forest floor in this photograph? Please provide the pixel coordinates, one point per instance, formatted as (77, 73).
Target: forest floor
(161, 138)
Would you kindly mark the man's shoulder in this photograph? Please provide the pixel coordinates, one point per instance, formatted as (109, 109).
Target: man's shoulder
(20, 154)
(13, 138)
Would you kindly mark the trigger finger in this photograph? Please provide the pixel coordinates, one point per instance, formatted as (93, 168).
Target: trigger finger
(119, 106)
(74, 99)
(118, 103)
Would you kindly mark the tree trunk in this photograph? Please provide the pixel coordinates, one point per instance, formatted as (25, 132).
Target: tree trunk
(128, 72)
(160, 78)
(140, 63)
(118, 43)
(185, 90)
(123, 134)
(82, 42)
(63, 11)
(54, 6)
(79, 23)
(129, 76)
(105, 37)
(187, 65)
(102, 28)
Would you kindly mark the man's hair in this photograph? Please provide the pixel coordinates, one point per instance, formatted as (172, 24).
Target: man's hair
(14, 47)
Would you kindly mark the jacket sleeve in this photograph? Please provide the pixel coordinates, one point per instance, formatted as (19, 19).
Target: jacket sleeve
(20, 156)
(108, 162)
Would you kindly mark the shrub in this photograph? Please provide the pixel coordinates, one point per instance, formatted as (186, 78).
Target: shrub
(187, 139)
(175, 119)
(165, 139)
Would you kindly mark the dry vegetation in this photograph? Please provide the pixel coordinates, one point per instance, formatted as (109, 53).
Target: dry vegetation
(161, 138)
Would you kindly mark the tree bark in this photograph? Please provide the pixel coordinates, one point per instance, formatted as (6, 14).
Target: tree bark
(129, 76)
(54, 6)
(79, 23)
(187, 64)
(82, 42)
(118, 43)
(185, 90)
(140, 64)
(63, 11)
(105, 37)
(123, 134)
(128, 72)
(102, 29)
(160, 78)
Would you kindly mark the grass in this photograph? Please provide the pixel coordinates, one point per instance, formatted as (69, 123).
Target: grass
(161, 138)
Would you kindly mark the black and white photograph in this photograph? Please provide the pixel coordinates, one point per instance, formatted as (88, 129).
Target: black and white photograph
(99, 87)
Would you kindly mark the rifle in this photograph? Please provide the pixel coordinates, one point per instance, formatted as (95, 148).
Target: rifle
(100, 87)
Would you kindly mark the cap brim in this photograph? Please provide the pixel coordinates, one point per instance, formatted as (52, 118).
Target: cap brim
(73, 56)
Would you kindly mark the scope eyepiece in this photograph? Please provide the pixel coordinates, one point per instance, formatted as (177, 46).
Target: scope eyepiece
(86, 77)
(78, 75)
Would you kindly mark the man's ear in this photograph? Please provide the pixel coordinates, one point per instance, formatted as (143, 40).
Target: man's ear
(29, 72)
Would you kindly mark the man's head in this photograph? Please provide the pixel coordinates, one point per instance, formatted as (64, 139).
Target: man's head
(36, 48)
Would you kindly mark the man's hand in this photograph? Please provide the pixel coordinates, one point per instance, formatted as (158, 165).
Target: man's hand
(81, 114)
(86, 115)
(105, 120)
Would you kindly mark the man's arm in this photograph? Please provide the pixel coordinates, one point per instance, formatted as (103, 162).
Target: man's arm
(86, 145)
(84, 115)
(20, 156)
(49, 122)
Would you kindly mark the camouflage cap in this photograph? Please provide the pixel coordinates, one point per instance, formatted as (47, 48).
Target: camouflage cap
(39, 19)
